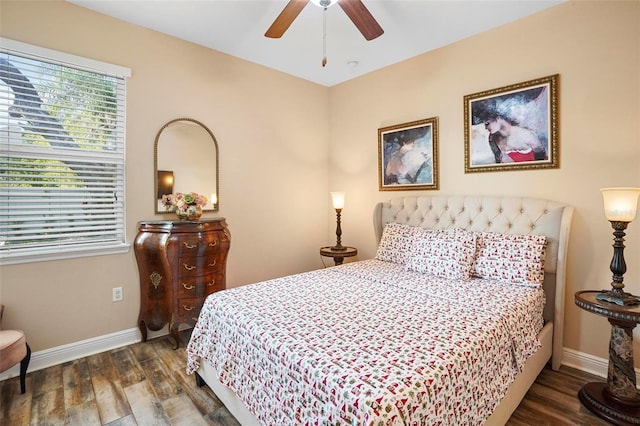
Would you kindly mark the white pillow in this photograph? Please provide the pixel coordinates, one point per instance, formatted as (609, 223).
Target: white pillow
(515, 259)
(443, 253)
(394, 243)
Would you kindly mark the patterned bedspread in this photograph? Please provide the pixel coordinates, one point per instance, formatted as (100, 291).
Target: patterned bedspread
(368, 343)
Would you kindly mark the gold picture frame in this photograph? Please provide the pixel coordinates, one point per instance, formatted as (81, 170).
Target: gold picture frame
(408, 156)
(513, 127)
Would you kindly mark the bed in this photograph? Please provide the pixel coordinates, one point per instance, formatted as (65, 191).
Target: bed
(450, 323)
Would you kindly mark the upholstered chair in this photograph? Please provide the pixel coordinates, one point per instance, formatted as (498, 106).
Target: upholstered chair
(14, 349)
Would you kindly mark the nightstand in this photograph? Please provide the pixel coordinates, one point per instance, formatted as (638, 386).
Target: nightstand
(617, 400)
(338, 255)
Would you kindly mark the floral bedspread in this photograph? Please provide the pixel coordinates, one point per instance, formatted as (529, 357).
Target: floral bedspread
(368, 343)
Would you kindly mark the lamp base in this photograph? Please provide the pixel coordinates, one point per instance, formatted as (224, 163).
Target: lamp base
(620, 299)
(338, 248)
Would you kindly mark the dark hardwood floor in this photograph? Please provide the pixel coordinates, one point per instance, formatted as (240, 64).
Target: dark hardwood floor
(146, 384)
(553, 400)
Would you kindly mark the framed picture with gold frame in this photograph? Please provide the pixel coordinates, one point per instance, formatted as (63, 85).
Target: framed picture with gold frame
(408, 156)
(513, 127)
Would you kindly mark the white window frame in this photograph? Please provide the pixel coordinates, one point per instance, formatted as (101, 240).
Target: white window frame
(69, 251)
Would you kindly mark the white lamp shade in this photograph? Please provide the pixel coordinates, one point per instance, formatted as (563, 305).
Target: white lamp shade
(337, 198)
(620, 204)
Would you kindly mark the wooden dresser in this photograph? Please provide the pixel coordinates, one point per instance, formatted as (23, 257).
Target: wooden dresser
(180, 264)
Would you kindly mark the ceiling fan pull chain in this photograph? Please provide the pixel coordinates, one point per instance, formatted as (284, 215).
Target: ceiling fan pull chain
(324, 37)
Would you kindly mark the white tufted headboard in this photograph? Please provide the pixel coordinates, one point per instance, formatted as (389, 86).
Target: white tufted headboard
(508, 215)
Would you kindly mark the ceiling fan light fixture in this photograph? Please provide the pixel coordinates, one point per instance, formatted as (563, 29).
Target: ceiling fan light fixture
(355, 10)
(324, 3)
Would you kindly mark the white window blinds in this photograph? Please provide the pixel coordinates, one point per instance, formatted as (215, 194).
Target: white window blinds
(62, 155)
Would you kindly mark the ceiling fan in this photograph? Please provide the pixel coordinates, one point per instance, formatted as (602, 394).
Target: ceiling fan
(355, 10)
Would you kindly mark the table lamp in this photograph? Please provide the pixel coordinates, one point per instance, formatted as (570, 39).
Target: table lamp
(620, 205)
(337, 199)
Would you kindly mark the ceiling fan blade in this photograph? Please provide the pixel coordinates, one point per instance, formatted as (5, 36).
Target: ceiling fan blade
(361, 18)
(286, 17)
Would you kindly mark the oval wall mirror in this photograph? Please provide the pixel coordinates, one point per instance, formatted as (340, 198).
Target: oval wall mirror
(186, 160)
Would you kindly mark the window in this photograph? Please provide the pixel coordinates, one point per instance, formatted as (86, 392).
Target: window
(62, 152)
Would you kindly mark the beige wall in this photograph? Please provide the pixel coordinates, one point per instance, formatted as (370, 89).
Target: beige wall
(595, 47)
(284, 143)
(272, 134)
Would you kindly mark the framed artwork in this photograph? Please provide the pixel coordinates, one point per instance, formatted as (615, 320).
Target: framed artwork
(513, 127)
(408, 156)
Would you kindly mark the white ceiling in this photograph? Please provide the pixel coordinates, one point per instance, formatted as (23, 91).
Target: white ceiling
(237, 27)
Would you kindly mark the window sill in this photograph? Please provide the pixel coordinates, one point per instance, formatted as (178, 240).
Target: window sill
(56, 253)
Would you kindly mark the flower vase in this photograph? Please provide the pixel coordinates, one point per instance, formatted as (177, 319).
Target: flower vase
(182, 214)
(191, 212)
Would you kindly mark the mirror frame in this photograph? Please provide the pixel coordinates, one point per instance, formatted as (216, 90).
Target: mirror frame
(155, 164)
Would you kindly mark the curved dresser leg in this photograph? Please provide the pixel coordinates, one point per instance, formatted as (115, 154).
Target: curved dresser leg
(143, 330)
(173, 331)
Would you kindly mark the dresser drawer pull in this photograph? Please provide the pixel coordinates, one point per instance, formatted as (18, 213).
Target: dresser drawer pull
(213, 282)
(188, 267)
(188, 286)
(190, 246)
(214, 263)
(188, 308)
(194, 319)
(213, 243)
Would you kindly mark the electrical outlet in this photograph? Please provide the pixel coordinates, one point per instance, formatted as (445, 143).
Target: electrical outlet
(117, 294)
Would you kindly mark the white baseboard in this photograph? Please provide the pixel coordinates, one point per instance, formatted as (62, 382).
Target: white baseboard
(81, 349)
(589, 363)
(585, 362)
(65, 353)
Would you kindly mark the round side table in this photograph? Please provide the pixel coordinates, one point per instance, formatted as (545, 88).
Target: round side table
(338, 255)
(617, 400)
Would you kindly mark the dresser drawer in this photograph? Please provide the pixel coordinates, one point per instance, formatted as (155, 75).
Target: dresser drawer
(200, 286)
(188, 310)
(190, 266)
(197, 245)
